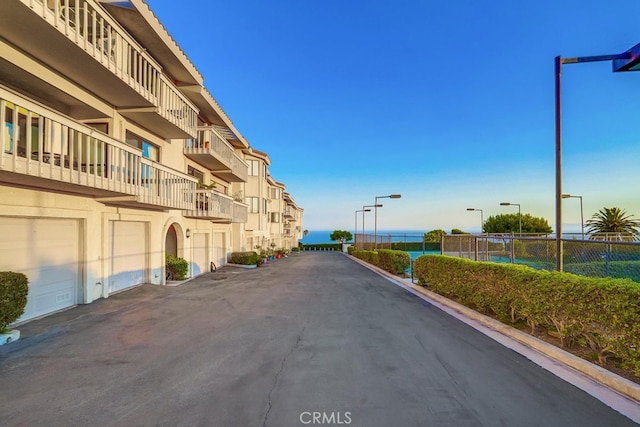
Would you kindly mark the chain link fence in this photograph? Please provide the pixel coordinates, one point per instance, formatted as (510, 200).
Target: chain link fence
(598, 256)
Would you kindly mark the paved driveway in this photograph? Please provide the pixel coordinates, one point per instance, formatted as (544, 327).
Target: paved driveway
(312, 339)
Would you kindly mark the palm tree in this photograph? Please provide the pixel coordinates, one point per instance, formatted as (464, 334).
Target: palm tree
(613, 220)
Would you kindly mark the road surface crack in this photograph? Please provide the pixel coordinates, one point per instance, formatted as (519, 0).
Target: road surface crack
(277, 376)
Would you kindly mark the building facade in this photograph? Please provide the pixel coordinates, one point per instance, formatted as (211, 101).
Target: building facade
(113, 154)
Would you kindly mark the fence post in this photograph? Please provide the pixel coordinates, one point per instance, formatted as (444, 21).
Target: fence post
(475, 239)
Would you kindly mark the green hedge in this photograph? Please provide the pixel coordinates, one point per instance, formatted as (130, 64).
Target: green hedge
(177, 268)
(14, 288)
(396, 262)
(415, 246)
(321, 246)
(246, 258)
(602, 314)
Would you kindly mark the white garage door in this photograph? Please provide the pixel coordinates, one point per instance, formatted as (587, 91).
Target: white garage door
(128, 255)
(219, 251)
(200, 251)
(47, 252)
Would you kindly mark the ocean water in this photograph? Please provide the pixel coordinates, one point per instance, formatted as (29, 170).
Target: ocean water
(322, 236)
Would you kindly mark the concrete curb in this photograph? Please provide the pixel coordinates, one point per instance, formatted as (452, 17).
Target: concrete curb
(8, 337)
(623, 387)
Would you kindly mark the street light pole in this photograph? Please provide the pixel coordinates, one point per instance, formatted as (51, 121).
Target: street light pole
(626, 61)
(355, 233)
(481, 218)
(368, 210)
(375, 229)
(519, 213)
(566, 196)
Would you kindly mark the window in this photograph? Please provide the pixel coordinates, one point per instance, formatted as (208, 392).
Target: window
(195, 173)
(102, 127)
(254, 204)
(254, 168)
(264, 205)
(275, 216)
(149, 151)
(275, 193)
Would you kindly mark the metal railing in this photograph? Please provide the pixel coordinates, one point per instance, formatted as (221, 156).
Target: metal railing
(594, 256)
(99, 35)
(40, 143)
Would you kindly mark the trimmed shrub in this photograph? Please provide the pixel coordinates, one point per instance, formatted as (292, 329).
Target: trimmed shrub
(177, 268)
(14, 288)
(321, 246)
(295, 249)
(600, 313)
(246, 258)
(396, 262)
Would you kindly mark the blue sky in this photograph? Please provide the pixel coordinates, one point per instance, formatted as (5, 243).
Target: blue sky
(450, 103)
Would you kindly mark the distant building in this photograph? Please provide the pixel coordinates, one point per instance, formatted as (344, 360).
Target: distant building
(114, 154)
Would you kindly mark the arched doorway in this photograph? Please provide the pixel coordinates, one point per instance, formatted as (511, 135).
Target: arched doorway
(171, 241)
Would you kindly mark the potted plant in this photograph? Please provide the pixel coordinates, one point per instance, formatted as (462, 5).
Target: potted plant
(263, 253)
(203, 186)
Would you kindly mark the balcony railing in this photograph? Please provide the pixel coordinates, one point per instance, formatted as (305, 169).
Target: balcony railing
(93, 30)
(41, 148)
(212, 205)
(209, 204)
(290, 214)
(212, 151)
(240, 212)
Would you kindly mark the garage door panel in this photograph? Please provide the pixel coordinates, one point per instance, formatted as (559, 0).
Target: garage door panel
(200, 251)
(219, 254)
(128, 255)
(47, 252)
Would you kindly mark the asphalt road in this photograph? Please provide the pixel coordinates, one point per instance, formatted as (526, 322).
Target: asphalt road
(313, 339)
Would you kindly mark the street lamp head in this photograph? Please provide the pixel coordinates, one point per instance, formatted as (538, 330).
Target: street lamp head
(566, 196)
(471, 209)
(395, 196)
(366, 210)
(505, 204)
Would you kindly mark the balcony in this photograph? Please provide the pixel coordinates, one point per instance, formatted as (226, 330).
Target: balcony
(216, 207)
(78, 39)
(240, 212)
(42, 149)
(210, 150)
(290, 214)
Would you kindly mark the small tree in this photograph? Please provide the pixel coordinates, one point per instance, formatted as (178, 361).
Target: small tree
(434, 235)
(458, 231)
(510, 223)
(614, 220)
(341, 236)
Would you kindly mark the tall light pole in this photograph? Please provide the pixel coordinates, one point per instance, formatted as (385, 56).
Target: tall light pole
(626, 61)
(519, 213)
(481, 217)
(368, 210)
(355, 233)
(375, 229)
(566, 196)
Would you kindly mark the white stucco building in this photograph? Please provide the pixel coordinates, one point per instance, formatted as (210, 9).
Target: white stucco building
(113, 154)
